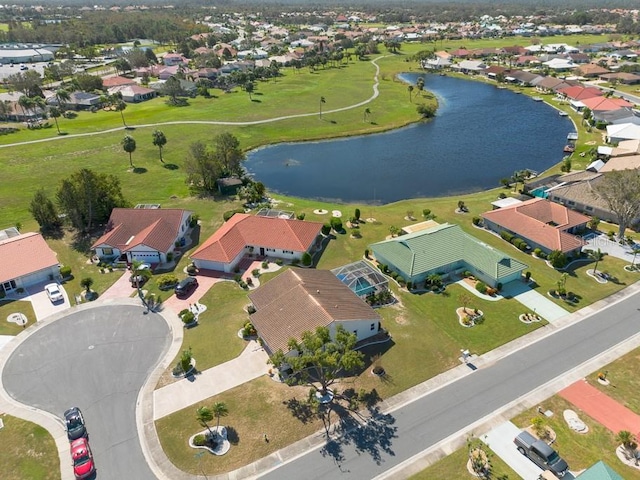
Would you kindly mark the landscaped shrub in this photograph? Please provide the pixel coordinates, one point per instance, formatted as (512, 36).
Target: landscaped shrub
(336, 224)
(194, 220)
(537, 252)
(366, 253)
(278, 261)
(481, 287)
(527, 275)
(295, 261)
(475, 221)
(426, 212)
(167, 280)
(306, 259)
(326, 228)
(230, 213)
(502, 195)
(249, 330)
(401, 281)
(523, 246)
(65, 271)
(249, 281)
(409, 285)
(265, 264)
(394, 275)
(558, 259)
(191, 269)
(243, 284)
(188, 317)
(255, 272)
(251, 309)
(506, 235)
(237, 278)
(170, 257)
(199, 440)
(466, 273)
(300, 216)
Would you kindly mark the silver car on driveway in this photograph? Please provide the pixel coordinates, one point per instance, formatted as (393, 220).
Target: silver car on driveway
(54, 293)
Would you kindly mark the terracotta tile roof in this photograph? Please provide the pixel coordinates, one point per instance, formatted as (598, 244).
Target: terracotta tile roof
(243, 229)
(156, 228)
(24, 254)
(580, 93)
(116, 81)
(542, 222)
(598, 104)
(301, 300)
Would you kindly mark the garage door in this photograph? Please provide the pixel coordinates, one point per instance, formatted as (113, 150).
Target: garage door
(37, 277)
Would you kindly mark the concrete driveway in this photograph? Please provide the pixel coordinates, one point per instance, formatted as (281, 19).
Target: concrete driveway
(534, 301)
(500, 440)
(97, 359)
(41, 304)
(613, 248)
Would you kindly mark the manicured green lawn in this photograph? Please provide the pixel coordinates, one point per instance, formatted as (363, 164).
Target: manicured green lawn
(28, 451)
(623, 375)
(255, 408)
(214, 340)
(455, 466)
(7, 307)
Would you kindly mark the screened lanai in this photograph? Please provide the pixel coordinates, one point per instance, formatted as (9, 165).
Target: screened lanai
(361, 278)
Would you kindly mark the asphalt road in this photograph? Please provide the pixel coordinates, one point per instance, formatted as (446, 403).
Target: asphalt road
(98, 360)
(382, 444)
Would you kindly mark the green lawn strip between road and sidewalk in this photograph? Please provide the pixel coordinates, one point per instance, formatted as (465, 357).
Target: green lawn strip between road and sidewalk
(28, 451)
(455, 466)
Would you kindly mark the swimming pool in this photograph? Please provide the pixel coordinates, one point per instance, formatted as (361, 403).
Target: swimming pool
(540, 192)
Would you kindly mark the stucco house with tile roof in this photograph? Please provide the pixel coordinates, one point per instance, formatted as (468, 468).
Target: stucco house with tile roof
(541, 223)
(445, 249)
(245, 234)
(25, 259)
(143, 234)
(300, 300)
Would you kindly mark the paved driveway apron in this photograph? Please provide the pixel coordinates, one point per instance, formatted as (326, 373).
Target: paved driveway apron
(97, 360)
(534, 301)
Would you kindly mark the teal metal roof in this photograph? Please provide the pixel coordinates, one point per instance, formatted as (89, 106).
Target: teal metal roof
(599, 471)
(437, 247)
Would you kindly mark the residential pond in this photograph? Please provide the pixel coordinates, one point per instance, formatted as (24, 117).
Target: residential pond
(480, 135)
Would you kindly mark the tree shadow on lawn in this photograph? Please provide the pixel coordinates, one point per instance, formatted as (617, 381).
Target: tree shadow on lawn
(232, 435)
(171, 166)
(140, 170)
(373, 435)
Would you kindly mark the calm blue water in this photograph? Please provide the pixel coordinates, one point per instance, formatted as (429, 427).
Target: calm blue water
(480, 135)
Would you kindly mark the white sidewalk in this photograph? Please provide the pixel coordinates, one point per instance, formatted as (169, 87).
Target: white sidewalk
(250, 364)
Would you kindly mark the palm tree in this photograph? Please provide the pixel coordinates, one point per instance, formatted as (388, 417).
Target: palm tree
(159, 140)
(62, 95)
(26, 103)
(628, 442)
(129, 145)
(410, 89)
(420, 84)
(367, 112)
(204, 415)
(5, 109)
(248, 87)
(86, 283)
(596, 255)
(322, 100)
(220, 410)
(635, 249)
(54, 112)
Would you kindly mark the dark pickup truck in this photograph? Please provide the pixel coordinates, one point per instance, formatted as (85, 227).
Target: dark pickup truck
(541, 454)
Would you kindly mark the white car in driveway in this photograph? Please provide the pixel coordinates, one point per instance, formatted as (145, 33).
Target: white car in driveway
(54, 293)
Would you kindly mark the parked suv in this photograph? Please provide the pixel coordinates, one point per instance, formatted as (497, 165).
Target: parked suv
(186, 286)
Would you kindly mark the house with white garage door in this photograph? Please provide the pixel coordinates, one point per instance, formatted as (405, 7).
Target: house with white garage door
(25, 260)
(143, 234)
(245, 234)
